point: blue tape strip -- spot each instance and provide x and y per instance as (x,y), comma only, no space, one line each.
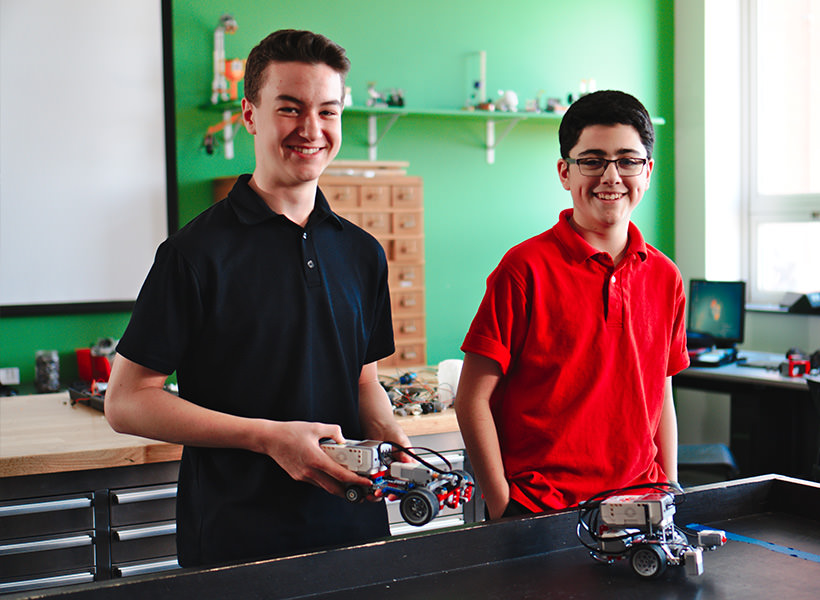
(768,545)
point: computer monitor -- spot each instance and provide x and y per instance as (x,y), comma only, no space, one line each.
(718,310)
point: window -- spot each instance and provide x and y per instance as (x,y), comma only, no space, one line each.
(783,166)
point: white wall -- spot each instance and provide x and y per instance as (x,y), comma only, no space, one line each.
(82,149)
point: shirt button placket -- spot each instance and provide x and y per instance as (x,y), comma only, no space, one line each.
(311,273)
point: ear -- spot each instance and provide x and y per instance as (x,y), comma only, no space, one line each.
(649,167)
(563,173)
(249,116)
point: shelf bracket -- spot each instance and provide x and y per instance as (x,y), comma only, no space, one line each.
(492,142)
(373,137)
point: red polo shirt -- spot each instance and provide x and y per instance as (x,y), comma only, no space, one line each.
(585,348)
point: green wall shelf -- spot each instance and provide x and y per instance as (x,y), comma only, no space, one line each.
(510,119)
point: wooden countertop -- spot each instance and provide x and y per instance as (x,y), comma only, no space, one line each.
(45,434)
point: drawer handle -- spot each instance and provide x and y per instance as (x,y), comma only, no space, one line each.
(39,507)
(138,533)
(33,584)
(408,328)
(145,495)
(148,567)
(74,541)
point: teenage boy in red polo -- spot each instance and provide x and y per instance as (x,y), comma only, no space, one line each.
(566,388)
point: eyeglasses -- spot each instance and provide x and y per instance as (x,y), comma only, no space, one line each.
(595,167)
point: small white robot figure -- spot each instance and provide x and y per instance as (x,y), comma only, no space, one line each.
(219,87)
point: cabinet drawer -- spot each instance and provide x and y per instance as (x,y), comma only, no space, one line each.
(374,196)
(409,354)
(341,197)
(407,301)
(144,541)
(8,586)
(409,249)
(407,223)
(31,557)
(406,196)
(147,504)
(404,275)
(45,516)
(376,223)
(165,563)
(405,328)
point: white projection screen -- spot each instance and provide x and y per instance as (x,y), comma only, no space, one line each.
(84,194)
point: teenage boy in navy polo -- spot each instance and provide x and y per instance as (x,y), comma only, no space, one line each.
(273,311)
(566,387)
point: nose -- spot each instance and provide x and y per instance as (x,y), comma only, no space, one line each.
(611,174)
(310,127)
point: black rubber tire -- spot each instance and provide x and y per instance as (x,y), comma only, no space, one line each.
(354,493)
(648,560)
(419,507)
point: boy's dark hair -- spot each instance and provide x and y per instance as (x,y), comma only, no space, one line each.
(291,45)
(607,107)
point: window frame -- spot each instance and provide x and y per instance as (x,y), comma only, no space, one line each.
(759,207)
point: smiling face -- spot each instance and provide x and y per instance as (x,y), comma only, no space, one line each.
(296,123)
(605,202)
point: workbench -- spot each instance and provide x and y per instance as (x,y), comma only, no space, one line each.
(80,502)
(773,552)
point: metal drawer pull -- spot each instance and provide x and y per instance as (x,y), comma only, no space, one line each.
(33,584)
(145,495)
(74,541)
(38,507)
(151,567)
(136,533)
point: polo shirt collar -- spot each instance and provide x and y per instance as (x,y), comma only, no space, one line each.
(581,250)
(250,209)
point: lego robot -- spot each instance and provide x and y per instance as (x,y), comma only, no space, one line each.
(640,527)
(423,487)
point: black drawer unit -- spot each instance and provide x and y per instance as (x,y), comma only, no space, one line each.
(65,528)
(47,538)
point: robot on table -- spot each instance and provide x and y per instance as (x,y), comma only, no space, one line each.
(640,527)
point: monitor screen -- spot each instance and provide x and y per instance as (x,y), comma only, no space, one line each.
(718,309)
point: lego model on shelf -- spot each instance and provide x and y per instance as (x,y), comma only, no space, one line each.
(424,487)
(636,524)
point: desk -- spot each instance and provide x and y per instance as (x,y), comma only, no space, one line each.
(773,423)
(529,557)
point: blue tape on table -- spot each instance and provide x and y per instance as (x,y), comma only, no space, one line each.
(768,545)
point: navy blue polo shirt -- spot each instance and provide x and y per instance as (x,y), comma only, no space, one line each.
(262,318)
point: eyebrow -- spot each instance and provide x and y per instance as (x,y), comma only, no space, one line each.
(619,152)
(287,98)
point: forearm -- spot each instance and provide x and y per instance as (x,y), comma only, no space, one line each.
(666,438)
(137,404)
(376,415)
(479,376)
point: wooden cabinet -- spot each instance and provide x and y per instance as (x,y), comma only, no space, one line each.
(391,207)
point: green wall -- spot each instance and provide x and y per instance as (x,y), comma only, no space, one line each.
(473,211)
